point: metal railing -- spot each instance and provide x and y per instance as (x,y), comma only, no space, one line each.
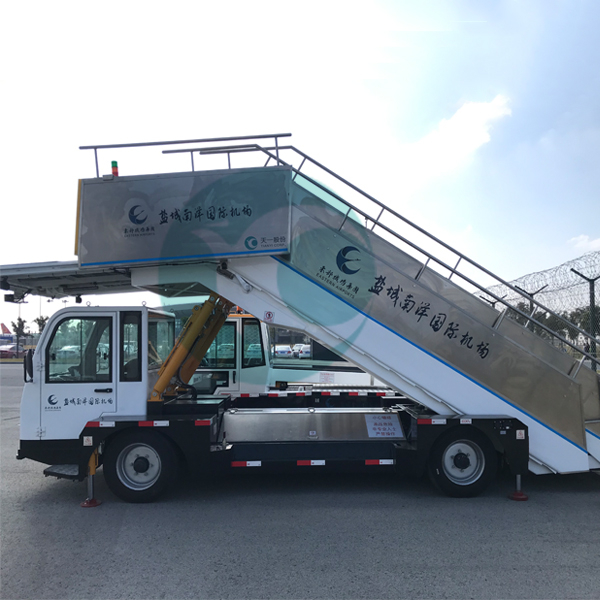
(95,148)
(587,350)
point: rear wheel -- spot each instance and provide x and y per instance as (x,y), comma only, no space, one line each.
(462,463)
(139,466)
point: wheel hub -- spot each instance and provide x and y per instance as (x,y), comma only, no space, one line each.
(462,461)
(141,464)
(138,466)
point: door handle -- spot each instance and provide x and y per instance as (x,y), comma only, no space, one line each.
(105,390)
(233,376)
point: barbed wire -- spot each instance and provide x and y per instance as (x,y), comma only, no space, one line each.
(561,290)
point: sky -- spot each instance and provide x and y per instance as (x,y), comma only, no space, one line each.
(479,121)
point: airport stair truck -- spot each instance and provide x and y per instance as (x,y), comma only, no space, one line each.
(477,386)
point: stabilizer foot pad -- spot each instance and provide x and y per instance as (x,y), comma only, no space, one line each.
(519,496)
(91,503)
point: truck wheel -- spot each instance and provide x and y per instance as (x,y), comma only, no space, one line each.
(462,463)
(139,466)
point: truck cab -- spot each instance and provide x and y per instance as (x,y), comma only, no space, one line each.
(91,362)
(242,360)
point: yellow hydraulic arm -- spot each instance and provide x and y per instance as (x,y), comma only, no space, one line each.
(191,345)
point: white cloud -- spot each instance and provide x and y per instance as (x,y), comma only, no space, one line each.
(584,243)
(405,170)
(456,139)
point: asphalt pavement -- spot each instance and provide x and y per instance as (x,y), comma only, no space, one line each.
(303,536)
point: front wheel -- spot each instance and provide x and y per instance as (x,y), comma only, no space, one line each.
(139,466)
(462,463)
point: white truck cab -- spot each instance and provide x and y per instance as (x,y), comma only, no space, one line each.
(242,359)
(90,363)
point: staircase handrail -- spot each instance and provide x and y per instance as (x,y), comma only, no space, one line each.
(267,150)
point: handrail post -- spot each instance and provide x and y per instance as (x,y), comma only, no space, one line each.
(296,171)
(345,217)
(500,318)
(376,221)
(455,267)
(418,276)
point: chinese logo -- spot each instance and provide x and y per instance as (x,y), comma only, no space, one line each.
(342,260)
(137,215)
(52,401)
(251,242)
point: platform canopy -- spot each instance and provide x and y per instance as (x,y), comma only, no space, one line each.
(62,279)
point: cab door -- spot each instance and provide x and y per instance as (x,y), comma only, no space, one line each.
(79,373)
(219,371)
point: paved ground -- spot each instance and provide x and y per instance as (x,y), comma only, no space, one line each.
(292,537)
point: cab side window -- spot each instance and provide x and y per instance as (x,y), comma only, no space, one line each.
(253,355)
(80,351)
(221,353)
(130,361)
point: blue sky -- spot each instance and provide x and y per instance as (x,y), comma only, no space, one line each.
(480,121)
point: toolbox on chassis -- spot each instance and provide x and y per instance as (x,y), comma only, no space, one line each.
(119,398)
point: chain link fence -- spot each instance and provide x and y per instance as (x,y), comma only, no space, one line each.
(564,300)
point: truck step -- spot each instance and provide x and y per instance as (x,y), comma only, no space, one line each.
(63,472)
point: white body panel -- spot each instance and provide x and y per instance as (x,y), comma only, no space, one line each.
(383,353)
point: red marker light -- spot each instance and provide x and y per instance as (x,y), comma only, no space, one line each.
(115,168)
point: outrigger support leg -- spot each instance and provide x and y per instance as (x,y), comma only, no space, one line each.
(518,495)
(90,501)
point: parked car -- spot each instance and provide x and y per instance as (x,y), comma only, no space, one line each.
(305,351)
(296,349)
(68,354)
(283,351)
(12,351)
(225,351)
(254,351)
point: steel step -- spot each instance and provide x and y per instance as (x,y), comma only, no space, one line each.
(63,472)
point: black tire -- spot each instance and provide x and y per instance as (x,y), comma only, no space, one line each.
(462,462)
(139,465)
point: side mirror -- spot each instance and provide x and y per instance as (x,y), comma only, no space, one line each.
(28,366)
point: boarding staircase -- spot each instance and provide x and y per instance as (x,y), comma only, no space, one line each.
(403,305)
